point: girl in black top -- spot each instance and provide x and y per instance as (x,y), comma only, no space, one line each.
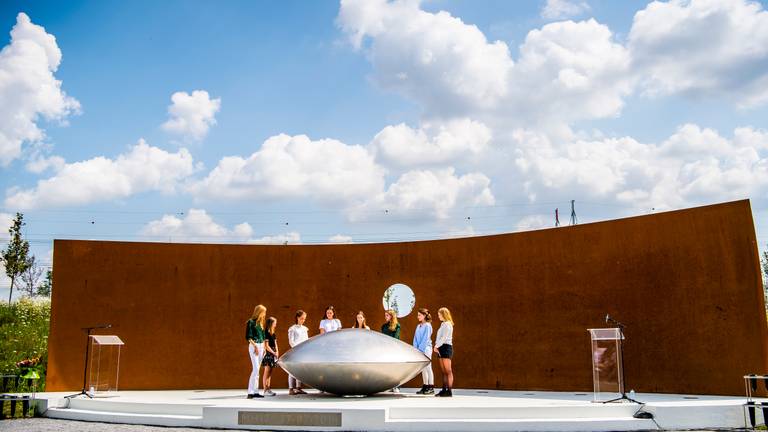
(270,358)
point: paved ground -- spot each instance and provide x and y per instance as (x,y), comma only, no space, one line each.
(53,425)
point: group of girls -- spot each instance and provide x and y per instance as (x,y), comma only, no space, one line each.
(263,349)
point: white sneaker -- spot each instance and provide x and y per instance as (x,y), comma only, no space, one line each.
(269,393)
(395,390)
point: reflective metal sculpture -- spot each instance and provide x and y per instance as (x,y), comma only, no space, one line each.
(353,362)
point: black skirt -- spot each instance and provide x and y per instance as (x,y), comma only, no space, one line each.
(445,351)
(269,360)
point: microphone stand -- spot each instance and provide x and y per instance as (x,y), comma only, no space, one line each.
(623,396)
(87,331)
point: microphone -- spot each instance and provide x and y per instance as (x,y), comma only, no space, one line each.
(102,326)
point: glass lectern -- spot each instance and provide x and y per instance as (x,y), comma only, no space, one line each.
(607,378)
(104,365)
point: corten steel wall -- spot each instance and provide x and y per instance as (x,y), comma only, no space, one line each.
(686,283)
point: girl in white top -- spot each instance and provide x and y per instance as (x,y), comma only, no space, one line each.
(444,349)
(330,323)
(297,334)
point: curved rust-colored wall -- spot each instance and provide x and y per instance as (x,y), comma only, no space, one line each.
(686,283)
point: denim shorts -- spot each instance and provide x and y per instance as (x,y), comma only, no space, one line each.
(445,351)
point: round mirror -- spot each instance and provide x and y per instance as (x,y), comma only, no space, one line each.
(399,297)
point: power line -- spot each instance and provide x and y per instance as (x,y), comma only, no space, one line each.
(329,210)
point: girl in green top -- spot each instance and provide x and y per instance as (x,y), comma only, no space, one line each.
(254,334)
(391,328)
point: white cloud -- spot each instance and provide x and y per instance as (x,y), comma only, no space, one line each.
(329,171)
(401,145)
(191,115)
(567,71)
(195,226)
(468,231)
(559,9)
(712,166)
(6,220)
(434,58)
(39,164)
(29,90)
(198,226)
(340,238)
(427,194)
(286,238)
(535,222)
(142,168)
(693,166)
(703,47)
(285,166)
(570,71)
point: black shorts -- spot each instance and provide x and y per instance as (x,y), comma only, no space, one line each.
(445,351)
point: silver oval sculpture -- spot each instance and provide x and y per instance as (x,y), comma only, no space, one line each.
(353,362)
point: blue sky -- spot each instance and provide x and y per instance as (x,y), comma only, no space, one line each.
(314,122)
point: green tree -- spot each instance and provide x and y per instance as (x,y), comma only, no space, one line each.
(388,296)
(764,266)
(30,278)
(15,257)
(45,288)
(764,262)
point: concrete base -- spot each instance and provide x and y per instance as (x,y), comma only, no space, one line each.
(467,410)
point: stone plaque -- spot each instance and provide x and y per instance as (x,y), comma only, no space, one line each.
(289,418)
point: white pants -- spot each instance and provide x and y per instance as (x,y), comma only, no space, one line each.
(427,376)
(257,354)
(293,383)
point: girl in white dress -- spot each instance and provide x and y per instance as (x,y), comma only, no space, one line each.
(297,334)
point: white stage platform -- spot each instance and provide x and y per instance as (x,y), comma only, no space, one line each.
(467,410)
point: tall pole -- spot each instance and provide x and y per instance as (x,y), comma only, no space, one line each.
(573,213)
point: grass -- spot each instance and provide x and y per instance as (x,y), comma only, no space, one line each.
(24,327)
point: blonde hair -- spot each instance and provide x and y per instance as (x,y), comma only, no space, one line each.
(393,320)
(445,314)
(260,315)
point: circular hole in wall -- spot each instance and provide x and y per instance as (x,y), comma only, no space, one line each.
(399,297)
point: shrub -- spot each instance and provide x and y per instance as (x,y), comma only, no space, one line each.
(24,327)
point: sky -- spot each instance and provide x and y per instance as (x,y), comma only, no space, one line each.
(373,121)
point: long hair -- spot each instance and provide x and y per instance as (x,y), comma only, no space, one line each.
(445,314)
(329,308)
(299,313)
(393,320)
(427,315)
(356,324)
(260,315)
(270,325)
